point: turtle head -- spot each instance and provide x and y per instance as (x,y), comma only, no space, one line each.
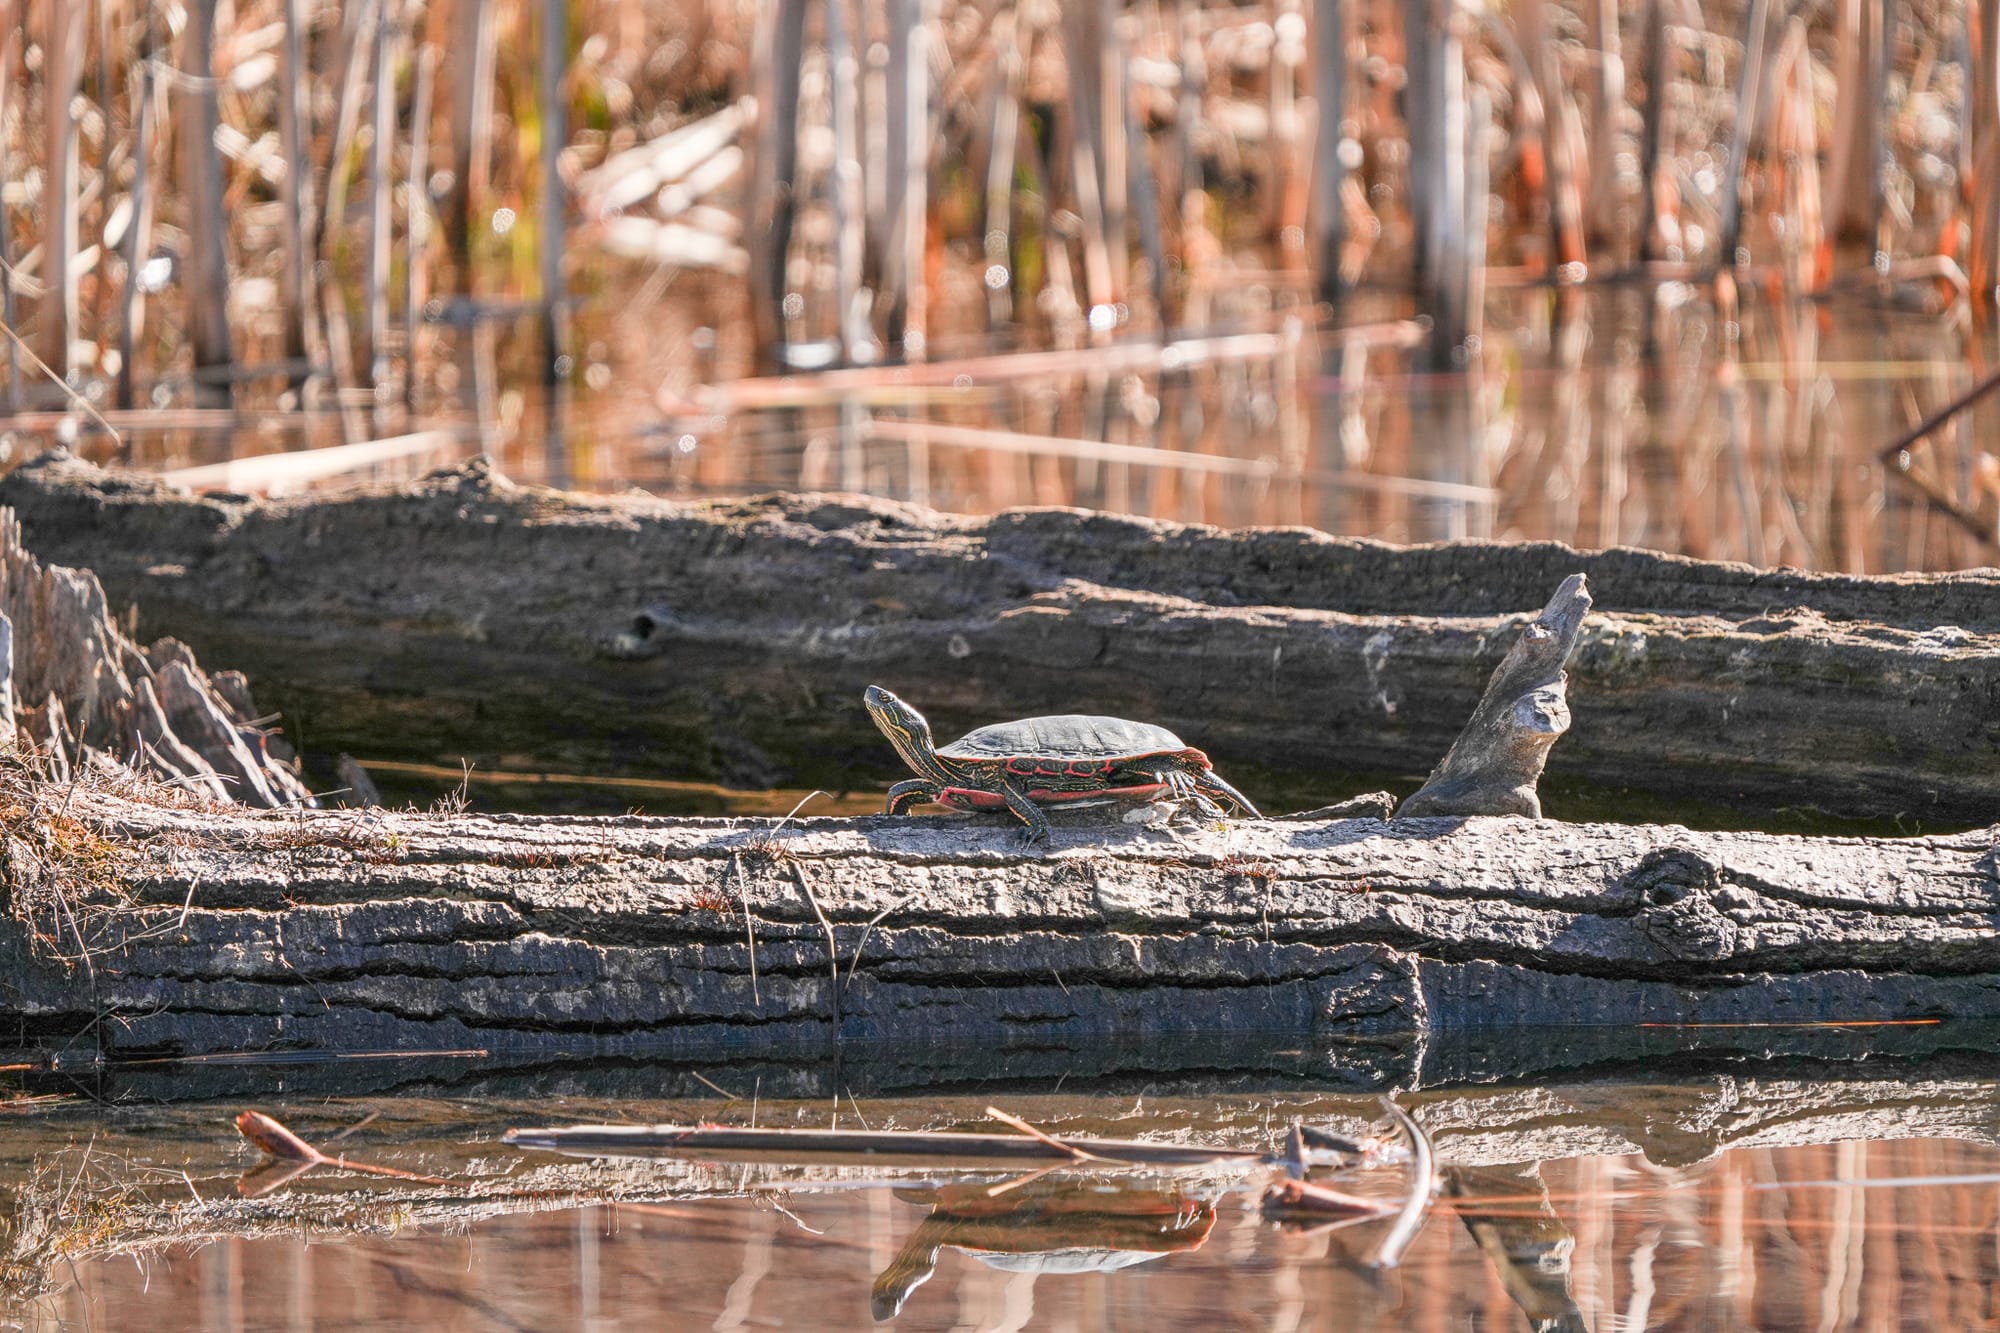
(907,731)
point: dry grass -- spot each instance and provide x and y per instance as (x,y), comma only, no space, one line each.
(63,878)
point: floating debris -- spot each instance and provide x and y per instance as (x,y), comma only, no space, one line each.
(1423,1188)
(292,1157)
(881,1147)
(1289,1200)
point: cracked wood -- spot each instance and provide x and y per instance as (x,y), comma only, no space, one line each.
(349,930)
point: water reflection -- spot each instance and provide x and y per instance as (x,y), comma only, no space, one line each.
(1670,415)
(1046,1226)
(1751,1239)
(1772,1178)
(1532,1250)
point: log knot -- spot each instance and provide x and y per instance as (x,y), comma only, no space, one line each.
(647,634)
(1380,988)
(1680,905)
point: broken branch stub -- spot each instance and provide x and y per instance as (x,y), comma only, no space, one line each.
(63,656)
(1494,765)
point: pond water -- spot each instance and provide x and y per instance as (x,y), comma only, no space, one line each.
(1775,1179)
(1668,415)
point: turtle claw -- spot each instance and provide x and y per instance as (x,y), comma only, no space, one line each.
(1185,789)
(1031,835)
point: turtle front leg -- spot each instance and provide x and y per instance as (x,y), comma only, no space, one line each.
(908,792)
(1025,810)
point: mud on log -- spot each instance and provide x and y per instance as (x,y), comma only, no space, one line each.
(215,929)
(731,641)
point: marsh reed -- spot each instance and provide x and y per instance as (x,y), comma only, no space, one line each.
(580,232)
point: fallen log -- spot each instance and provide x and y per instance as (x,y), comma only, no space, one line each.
(731,641)
(206,929)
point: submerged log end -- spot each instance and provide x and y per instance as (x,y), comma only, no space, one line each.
(1496,762)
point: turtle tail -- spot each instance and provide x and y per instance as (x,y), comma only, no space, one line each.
(1212,780)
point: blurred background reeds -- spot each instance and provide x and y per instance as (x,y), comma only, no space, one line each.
(1682,273)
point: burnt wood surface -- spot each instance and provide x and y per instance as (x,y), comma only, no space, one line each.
(730,641)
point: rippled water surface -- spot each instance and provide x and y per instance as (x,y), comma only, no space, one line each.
(1756,1238)
(1732,1184)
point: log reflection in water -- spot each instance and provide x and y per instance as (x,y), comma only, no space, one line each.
(1567,1244)
(1530,1246)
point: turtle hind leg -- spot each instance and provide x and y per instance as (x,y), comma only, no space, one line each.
(908,792)
(1210,779)
(1182,785)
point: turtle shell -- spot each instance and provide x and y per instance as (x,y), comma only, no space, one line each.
(1065,736)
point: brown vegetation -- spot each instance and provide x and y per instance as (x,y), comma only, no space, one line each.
(802,188)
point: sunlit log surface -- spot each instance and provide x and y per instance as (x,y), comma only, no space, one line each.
(212,929)
(731,640)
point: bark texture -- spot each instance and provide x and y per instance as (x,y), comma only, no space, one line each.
(731,640)
(226,930)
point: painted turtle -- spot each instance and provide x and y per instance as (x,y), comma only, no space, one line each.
(1070,757)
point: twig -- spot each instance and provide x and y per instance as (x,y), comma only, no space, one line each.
(771,1198)
(76,770)
(1302,1198)
(1938,418)
(1423,1184)
(1015,1122)
(283,1145)
(879,1147)
(83,950)
(726,1093)
(995,1191)
(866,930)
(362,1123)
(58,380)
(749,930)
(794,810)
(832,945)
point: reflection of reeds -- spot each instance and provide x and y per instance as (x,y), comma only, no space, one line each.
(921,180)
